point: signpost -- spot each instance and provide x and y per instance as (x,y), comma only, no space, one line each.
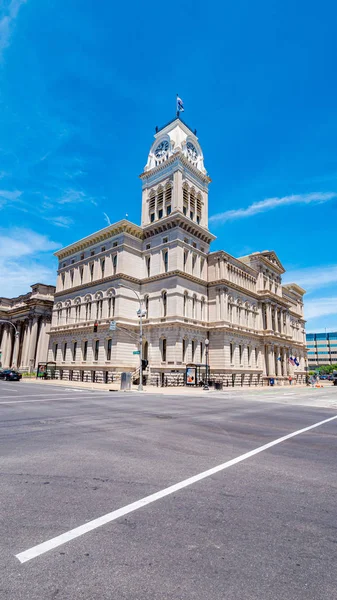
(113,326)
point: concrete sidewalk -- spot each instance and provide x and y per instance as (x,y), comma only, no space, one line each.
(172,391)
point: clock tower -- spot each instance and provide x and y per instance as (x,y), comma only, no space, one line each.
(174,178)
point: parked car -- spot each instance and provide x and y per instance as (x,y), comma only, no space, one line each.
(323,377)
(10,375)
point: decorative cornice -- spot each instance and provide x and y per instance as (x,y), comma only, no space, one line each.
(123,226)
(178,219)
(177,156)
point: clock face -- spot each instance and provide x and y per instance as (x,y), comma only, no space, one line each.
(162,149)
(191,151)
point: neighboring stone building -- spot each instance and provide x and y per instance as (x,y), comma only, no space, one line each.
(31,315)
(253,322)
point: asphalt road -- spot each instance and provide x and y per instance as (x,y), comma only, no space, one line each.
(264,528)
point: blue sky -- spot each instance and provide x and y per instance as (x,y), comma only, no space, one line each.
(83,85)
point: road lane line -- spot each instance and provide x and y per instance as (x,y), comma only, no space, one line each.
(45,399)
(59,540)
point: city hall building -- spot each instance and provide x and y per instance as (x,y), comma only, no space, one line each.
(253,323)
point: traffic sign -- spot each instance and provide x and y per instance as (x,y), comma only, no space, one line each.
(136,352)
(113,326)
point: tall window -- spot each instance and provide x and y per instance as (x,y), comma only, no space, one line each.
(194,301)
(184,351)
(240,354)
(103,266)
(146,302)
(185,303)
(111,306)
(108,349)
(64,350)
(68,309)
(148,265)
(88,311)
(74,351)
(194,260)
(165,259)
(72,276)
(99,309)
(249,351)
(185,258)
(231,352)
(81,274)
(114,264)
(85,351)
(256,357)
(202,262)
(193,349)
(163,350)
(201,352)
(77,312)
(91,266)
(96,349)
(63,279)
(55,352)
(164,296)
(202,315)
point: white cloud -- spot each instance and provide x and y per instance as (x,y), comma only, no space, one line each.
(312,277)
(271,203)
(8,195)
(60,221)
(72,197)
(23,261)
(7,21)
(319,307)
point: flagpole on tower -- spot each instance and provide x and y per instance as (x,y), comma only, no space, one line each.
(180,106)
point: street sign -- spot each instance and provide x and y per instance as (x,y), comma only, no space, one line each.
(136,352)
(113,326)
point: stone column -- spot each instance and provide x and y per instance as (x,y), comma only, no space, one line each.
(32,343)
(271,361)
(9,346)
(27,345)
(42,347)
(268,312)
(5,344)
(16,346)
(279,362)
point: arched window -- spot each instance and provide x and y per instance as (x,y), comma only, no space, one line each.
(192,204)
(88,311)
(152,206)
(194,302)
(185,304)
(146,305)
(193,350)
(160,200)
(103,266)
(240,354)
(163,349)
(165,260)
(202,315)
(184,350)
(91,268)
(168,199)
(231,352)
(164,298)
(114,264)
(148,265)
(146,350)
(249,352)
(201,352)
(108,349)
(185,199)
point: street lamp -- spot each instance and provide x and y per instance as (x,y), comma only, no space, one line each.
(141,313)
(206,346)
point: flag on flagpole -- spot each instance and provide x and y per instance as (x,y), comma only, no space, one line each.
(278,358)
(296,362)
(291,360)
(180,105)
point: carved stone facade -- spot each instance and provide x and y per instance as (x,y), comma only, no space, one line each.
(31,315)
(254,323)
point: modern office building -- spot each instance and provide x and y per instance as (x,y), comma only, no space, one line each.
(31,316)
(322,349)
(190,295)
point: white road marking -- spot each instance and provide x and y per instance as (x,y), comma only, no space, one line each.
(44,399)
(116,514)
